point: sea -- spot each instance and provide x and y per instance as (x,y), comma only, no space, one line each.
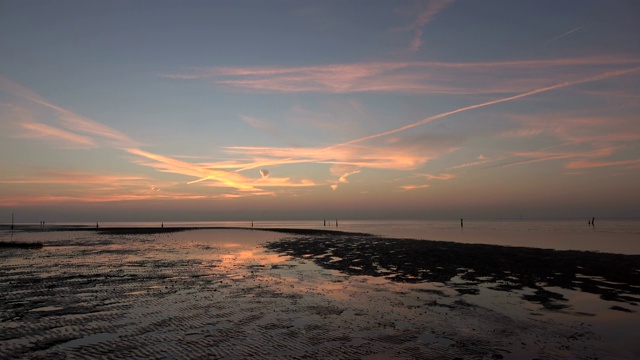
(605,235)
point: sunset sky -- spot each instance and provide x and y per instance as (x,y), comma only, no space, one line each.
(234,110)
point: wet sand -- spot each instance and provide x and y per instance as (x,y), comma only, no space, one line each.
(294,294)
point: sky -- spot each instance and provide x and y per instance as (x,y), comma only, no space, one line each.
(299,110)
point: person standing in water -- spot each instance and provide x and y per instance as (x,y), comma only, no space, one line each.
(461,223)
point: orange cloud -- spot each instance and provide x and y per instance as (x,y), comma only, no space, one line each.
(78,178)
(213,176)
(399,157)
(414,187)
(78,186)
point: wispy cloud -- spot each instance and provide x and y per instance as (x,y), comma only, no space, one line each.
(494,102)
(564,34)
(498,77)
(584,164)
(429,177)
(481,160)
(343,171)
(212,175)
(55,176)
(70,126)
(83,186)
(388,157)
(43,130)
(401,157)
(572,128)
(443,176)
(426,13)
(74,129)
(414,187)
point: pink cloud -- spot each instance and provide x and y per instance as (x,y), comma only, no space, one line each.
(584,164)
(72,122)
(428,13)
(598,77)
(44,130)
(410,77)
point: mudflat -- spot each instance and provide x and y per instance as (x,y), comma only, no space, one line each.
(234,293)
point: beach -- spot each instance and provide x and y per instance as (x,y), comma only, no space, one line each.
(301,293)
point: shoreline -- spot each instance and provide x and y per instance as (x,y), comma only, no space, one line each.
(133,230)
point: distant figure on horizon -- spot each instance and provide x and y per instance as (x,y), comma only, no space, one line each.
(162,225)
(336,222)
(324,222)
(461,223)
(97,225)
(589,222)
(593,221)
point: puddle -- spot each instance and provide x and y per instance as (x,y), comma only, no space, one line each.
(47,308)
(90,339)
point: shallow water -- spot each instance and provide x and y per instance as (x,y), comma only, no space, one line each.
(608,235)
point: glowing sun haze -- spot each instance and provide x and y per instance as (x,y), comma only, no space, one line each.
(235,110)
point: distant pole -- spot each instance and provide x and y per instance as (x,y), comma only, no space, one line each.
(336,222)
(461,223)
(11,221)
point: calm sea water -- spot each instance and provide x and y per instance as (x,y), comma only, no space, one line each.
(615,236)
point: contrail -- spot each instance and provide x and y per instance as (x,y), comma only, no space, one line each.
(602,76)
(563,35)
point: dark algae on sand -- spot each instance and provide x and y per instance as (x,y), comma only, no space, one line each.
(613,277)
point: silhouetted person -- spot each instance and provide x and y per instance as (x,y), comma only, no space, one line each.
(461,223)
(589,222)
(593,221)
(162,225)
(97,225)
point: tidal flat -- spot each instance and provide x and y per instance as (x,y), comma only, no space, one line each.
(296,294)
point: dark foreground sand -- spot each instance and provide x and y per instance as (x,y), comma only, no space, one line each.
(224,293)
